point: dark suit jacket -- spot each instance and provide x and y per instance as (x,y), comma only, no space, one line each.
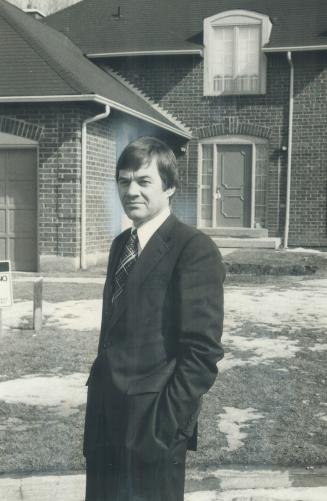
(159,347)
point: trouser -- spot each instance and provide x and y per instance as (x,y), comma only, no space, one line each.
(117,475)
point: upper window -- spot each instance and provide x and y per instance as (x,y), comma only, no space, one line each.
(233,60)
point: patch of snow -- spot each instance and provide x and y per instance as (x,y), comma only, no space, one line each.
(233,422)
(257,350)
(229,361)
(265,307)
(265,348)
(268,306)
(319,347)
(225,251)
(65,393)
(83,315)
(322,416)
(304,250)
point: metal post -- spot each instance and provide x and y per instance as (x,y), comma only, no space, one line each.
(1,327)
(37,304)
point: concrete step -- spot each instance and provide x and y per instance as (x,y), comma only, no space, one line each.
(252,243)
(236,232)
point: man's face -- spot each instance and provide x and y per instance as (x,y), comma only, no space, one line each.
(142,193)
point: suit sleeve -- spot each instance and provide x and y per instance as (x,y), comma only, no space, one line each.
(199,306)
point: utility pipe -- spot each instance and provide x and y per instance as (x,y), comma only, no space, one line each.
(85,123)
(289,150)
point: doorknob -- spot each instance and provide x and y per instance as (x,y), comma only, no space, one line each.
(218,194)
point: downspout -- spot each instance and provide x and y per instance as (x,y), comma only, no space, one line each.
(85,123)
(289,150)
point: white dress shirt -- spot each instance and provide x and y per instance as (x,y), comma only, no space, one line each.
(146,230)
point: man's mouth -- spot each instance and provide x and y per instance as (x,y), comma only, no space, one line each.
(133,204)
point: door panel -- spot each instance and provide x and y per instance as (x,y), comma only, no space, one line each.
(2,193)
(18,208)
(21,194)
(233,191)
(2,247)
(21,222)
(2,221)
(21,165)
(22,252)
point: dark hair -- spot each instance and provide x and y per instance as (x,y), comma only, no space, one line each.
(142,151)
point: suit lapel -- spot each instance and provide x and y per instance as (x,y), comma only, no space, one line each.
(114,259)
(112,266)
(158,245)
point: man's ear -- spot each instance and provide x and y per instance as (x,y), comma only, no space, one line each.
(170,191)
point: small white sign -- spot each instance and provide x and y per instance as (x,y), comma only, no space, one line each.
(6,298)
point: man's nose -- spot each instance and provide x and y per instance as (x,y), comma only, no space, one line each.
(133,189)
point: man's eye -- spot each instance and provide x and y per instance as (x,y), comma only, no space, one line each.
(145,182)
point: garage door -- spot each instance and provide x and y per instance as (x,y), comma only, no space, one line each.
(18,216)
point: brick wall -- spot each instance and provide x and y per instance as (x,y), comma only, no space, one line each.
(176,83)
(101,209)
(309,163)
(59,158)
(57,128)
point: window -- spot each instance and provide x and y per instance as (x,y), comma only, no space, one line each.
(233,60)
(261,185)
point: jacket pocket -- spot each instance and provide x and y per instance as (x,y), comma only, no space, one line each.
(153,382)
(142,434)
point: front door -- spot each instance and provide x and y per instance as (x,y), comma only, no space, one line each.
(18,203)
(233,186)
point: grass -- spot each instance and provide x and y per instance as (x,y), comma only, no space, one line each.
(290,432)
(53,292)
(34,438)
(287,393)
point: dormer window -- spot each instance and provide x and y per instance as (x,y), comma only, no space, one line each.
(233,60)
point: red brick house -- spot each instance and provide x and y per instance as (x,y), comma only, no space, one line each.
(245,80)
(63,121)
(249,78)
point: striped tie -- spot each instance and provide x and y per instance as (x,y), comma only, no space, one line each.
(126,263)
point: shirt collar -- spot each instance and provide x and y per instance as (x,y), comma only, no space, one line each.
(146,230)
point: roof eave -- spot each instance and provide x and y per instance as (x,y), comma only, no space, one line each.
(176,52)
(297,48)
(34,11)
(98,99)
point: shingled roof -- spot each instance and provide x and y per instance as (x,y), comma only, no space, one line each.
(39,63)
(118,27)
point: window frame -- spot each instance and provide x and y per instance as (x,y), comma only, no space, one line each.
(234,19)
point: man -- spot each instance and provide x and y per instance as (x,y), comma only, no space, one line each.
(159,343)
